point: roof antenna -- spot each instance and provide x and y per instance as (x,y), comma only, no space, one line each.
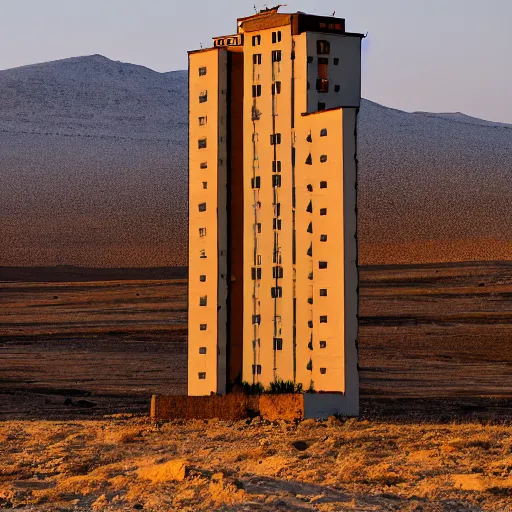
(255,9)
(334,13)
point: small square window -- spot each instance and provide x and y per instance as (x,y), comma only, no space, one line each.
(323,211)
(256,369)
(202,327)
(276,180)
(256,58)
(323,292)
(323,132)
(203,301)
(203,120)
(310,59)
(256,319)
(255,182)
(276,88)
(202,350)
(323,184)
(310,324)
(202,232)
(323,319)
(203,98)
(256,91)
(336,88)
(258,259)
(323,159)
(278,343)
(203,165)
(202,71)
(323,371)
(321,105)
(201,143)
(276,166)
(322,264)
(323,344)
(336,61)
(258,227)
(323,238)
(277,224)
(310,188)
(202,207)
(202,278)
(201,375)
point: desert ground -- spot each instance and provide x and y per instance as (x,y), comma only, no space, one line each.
(82,351)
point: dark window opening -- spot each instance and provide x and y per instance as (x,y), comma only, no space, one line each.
(203,165)
(323,344)
(323,371)
(277,272)
(277,209)
(310,300)
(336,61)
(323,158)
(256,58)
(255,273)
(276,258)
(256,319)
(203,327)
(336,88)
(309,160)
(310,59)
(276,166)
(256,182)
(278,343)
(323,319)
(275,138)
(202,207)
(276,180)
(277,224)
(323,184)
(276,37)
(276,88)
(202,350)
(203,300)
(258,227)
(277,292)
(323,238)
(310,188)
(202,71)
(202,375)
(202,232)
(310,250)
(323,211)
(201,144)
(321,105)
(310,227)
(276,55)
(202,278)
(203,120)
(203,98)
(323,132)
(323,47)
(323,292)
(205,185)
(309,207)
(256,40)
(322,85)
(322,264)
(310,324)
(256,91)
(256,369)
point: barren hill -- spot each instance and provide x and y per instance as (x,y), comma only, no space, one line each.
(93,173)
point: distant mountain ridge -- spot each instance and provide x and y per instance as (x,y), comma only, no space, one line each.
(94,173)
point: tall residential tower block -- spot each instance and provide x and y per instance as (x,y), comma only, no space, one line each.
(273,280)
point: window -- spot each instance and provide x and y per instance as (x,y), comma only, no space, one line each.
(256,91)
(203,120)
(202,375)
(258,259)
(202,327)
(310,59)
(323,344)
(277,272)
(322,85)
(202,207)
(323,47)
(256,319)
(323,238)
(202,278)
(276,37)
(256,40)
(255,182)
(203,300)
(323,292)
(310,250)
(323,319)
(323,132)
(310,324)
(309,160)
(323,184)
(277,224)
(275,138)
(258,227)
(322,264)
(256,369)
(202,71)
(276,166)
(202,350)
(336,88)
(202,254)
(310,188)
(202,232)
(321,105)
(323,211)
(203,98)
(256,58)
(276,55)
(203,165)
(336,61)
(201,143)
(323,371)
(255,273)
(205,185)
(277,209)
(309,207)
(323,158)
(277,292)
(310,227)
(276,180)
(276,258)
(278,343)
(276,88)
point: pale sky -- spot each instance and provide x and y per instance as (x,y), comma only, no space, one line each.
(432,55)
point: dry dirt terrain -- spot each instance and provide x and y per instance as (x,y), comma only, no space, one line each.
(79,351)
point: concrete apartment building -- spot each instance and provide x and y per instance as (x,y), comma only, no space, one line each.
(273,280)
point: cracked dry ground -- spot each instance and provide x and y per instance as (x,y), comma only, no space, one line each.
(127,463)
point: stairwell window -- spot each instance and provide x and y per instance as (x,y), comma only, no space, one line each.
(202,71)
(275,138)
(202,207)
(276,55)
(256,58)
(203,97)
(203,301)
(256,91)
(276,88)
(202,144)
(256,40)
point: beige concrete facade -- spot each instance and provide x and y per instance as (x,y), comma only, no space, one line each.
(301,91)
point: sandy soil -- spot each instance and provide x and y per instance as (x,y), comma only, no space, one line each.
(116,464)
